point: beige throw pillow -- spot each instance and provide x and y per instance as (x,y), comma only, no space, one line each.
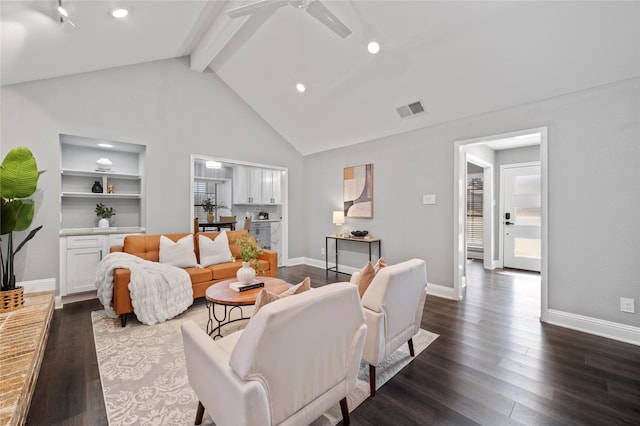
(366,276)
(265,296)
(381,263)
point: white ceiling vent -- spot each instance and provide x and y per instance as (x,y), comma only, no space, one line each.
(410,110)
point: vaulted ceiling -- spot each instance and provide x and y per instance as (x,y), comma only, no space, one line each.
(459,59)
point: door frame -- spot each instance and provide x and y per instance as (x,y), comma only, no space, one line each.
(501,208)
(488,240)
(284,224)
(459,208)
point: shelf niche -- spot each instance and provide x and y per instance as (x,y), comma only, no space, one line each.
(79,172)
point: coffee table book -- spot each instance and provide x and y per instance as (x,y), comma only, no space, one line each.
(236,286)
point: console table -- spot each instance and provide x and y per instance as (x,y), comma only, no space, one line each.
(367,240)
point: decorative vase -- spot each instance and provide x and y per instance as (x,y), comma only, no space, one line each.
(103,223)
(246,274)
(97,187)
(210,217)
(11,300)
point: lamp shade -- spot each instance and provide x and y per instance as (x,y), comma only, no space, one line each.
(338,217)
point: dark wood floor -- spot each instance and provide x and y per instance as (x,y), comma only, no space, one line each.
(494,363)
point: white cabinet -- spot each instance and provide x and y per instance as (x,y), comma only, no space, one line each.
(247,185)
(271,184)
(79,258)
(253,185)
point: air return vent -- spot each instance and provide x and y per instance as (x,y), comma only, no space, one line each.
(410,110)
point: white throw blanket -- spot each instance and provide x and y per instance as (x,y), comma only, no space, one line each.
(158,291)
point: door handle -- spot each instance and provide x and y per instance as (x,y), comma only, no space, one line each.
(509,223)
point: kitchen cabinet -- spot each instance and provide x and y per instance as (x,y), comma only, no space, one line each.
(271,186)
(247,185)
(254,185)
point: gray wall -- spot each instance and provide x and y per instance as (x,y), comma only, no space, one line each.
(174,111)
(594,170)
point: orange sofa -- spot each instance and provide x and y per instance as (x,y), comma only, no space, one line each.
(148,248)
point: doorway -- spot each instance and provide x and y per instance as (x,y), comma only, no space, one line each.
(485,148)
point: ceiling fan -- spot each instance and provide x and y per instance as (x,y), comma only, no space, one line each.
(313,7)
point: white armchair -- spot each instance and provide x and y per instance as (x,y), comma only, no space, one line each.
(297,357)
(393,305)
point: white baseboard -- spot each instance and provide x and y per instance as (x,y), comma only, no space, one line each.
(441,291)
(34,286)
(79,297)
(322,265)
(612,330)
(58,302)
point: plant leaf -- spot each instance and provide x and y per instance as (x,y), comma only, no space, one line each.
(18,174)
(24,213)
(8,218)
(30,236)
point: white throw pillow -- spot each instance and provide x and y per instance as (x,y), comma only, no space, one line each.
(178,254)
(214,251)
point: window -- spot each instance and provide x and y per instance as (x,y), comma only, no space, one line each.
(475,185)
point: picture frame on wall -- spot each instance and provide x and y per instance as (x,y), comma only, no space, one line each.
(358,191)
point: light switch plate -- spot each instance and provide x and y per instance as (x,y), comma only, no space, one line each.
(429,199)
(627,305)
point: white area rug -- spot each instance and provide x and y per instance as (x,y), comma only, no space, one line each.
(144,376)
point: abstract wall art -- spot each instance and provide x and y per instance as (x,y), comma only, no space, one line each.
(358,191)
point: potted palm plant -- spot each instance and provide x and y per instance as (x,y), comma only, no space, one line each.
(18,181)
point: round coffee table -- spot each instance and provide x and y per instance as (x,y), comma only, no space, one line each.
(221,294)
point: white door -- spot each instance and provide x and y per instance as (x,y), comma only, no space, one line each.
(522,217)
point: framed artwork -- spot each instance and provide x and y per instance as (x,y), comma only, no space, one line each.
(358,191)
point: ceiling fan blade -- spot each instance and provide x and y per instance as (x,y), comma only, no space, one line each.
(324,15)
(251,8)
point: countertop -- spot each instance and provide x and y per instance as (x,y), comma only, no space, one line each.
(265,220)
(101,231)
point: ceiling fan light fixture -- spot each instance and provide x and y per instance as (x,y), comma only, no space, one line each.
(300,87)
(373,47)
(119,13)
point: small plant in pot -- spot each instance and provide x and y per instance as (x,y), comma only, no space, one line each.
(249,252)
(104,213)
(18,180)
(211,208)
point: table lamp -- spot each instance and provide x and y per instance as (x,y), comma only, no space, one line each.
(338,220)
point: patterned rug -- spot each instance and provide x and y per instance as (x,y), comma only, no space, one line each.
(144,376)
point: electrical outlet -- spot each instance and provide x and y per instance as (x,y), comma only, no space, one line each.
(322,251)
(627,305)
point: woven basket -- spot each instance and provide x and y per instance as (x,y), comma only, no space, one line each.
(11,300)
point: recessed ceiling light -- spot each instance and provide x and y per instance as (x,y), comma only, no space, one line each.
(300,87)
(62,11)
(373,47)
(119,13)
(105,145)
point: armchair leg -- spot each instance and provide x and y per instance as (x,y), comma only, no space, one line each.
(411,347)
(199,413)
(372,380)
(123,320)
(345,412)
